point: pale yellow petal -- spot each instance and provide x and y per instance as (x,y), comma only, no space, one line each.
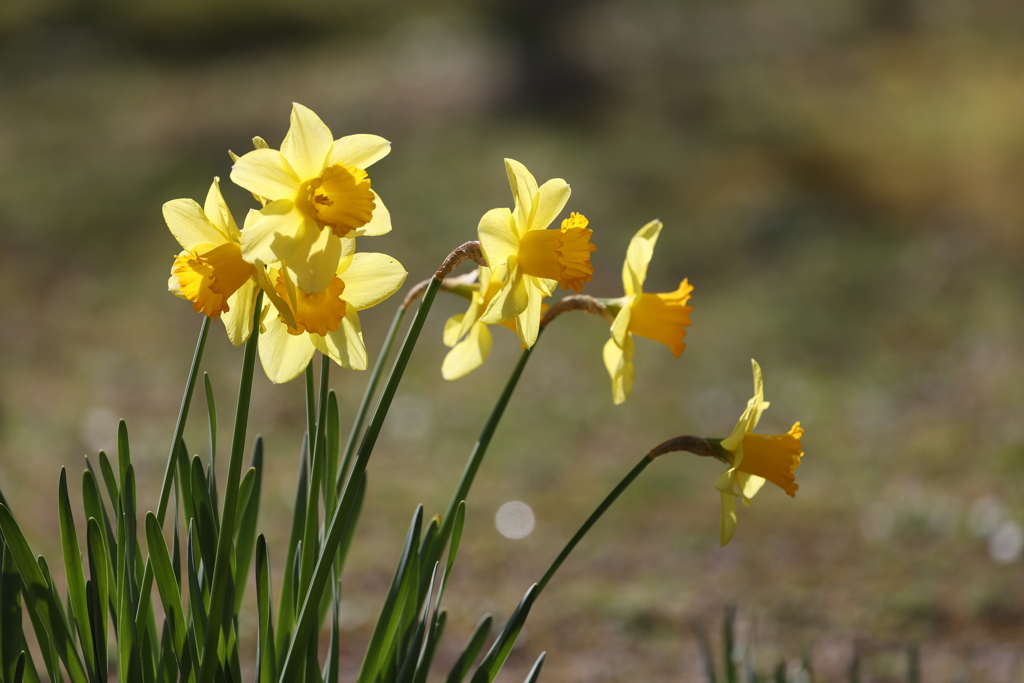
(217,211)
(498,241)
(620,326)
(469,354)
(748,420)
(619,364)
(273,233)
(551,199)
(528,321)
(360,151)
(748,485)
(284,356)
(263,172)
(380,222)
(307,144)
(270,291)
(453,330)
(190,226)
(524,191)
(511,300)
(638,257)
(345,345)
(370,279)
(314,263)
(727,524)
(238,318)
(173,285)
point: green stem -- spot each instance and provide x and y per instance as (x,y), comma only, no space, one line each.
(222,565)
(592,520)
(179,427)
(371,388)
(342,514)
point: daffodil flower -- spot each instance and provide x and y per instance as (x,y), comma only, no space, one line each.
(661,317)
(755,459)
(326,320)
(317,192)
(210,271)
(468,337)
(535,258)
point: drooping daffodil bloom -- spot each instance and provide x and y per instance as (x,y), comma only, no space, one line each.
(210,271)
(755,459)
(326,320)
(317,192)
(468,337)
(536,259)
(661,317)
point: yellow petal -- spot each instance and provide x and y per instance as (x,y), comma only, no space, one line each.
(190,226)
(380,222)
(345,345)
(273,233)
(263,172)
(371,278)
(469,354)
(238,318)
(528,322)
(620,326)
(453,330)
(748,420)
(638,257)
(498,241)
(551,199)
(510,300)
(216,210)
(524,191)
(727,524)
(284,356)
(619,363)
(748,485)
(359,150)
(307,144)
(314,263)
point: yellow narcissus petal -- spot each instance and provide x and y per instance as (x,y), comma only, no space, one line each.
(773,458)
(638,257)
(524,190)
(190,225)
(380,223)
(551,199)
(217,211)
(509,301)
(359,150)
(727,523)
(618,360)
(662,317)
(748,485)
(620,326)
(315,260)
(528,322)
(263,172)
(371,278)
(308,142)
(748,420)
(238,318)
(284,356)
(454,329)
(273,233)
(345,345)
(468,354)
(498,241)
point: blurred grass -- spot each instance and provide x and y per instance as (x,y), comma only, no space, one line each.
(840,180)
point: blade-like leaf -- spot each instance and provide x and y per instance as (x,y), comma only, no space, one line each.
(266,668)
(498,653)
(75,575)
(472,649)
(535,671)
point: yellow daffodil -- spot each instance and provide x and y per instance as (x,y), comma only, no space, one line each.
(326,320)
(661,317)
(755,459)
(468,337)
(535,258)
(210,271)
(317,192)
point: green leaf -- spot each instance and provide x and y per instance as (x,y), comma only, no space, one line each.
(248,516)
(535,671)
(266,667)
(101,579)
(12,635)
(414,649)
(124,454)
(333,444)
(170,596)
(110,481)
(496,656)
(437,624)
(287,608)
(472,649)
(389,623)
(211,411)
(75,576)
(96,510)
(196,599)
(39,599)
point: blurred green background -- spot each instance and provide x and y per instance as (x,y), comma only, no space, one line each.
(841,180)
